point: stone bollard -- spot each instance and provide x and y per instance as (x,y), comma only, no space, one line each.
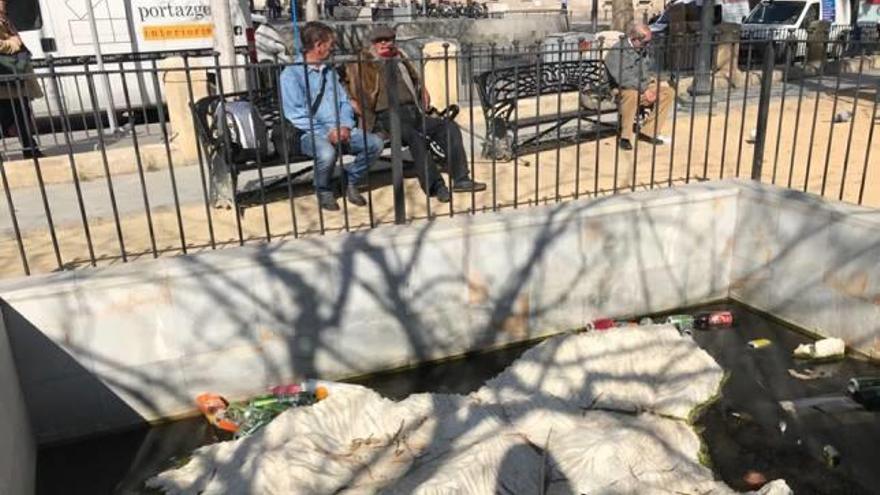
(440,55)
(817,40)
(727,54)
(177,98)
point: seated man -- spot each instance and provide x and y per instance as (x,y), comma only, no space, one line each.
(630,66)
(313,108)
(368,82)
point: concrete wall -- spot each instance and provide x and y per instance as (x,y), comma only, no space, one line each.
(811,262)
(18,452)
(138,342)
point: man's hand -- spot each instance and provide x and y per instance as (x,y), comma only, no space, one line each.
(426,99)
(343,135)
(649,96)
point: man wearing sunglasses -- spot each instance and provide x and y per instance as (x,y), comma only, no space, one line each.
(631,66)
(369,89)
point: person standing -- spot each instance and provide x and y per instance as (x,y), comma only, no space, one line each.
(414,99)
(318,107)
(16,93)
(630,66)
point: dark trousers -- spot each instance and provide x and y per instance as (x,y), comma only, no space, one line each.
(15,118)
(444,133)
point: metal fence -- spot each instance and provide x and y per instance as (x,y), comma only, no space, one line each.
(538,125)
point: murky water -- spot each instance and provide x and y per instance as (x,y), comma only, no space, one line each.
(741,430)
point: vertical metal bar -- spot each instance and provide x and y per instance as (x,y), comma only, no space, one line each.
(656,121)
(638,133)
(577,151)
(868,145)
(199,151)
(250,74)
(852,122)
(492,55)
(42,187)
(598,126)
(14,218)
(425,151)
(61,104)
(693,92)
(140,168)
(621,123)
(742,124)
(343,177)
(787,62)
(830,131)
(470,83)
(90,81)
(285,152)
(539,79)
(711,111)
(164,129)
(819,84)
(65,123)
(516,55)
(797,121)
(763,111)
(676,78)
(396,161)
(448,139)
(313,135)
(558,119)
(731,67)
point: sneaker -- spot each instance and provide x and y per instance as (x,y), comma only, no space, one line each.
(327,201)
(354,196)
(625,144)
(468,185)
(441,192)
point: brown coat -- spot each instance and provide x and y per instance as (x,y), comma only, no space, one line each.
(10,44)
(366,93)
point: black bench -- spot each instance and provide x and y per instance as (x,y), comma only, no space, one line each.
(500,91)
(224,169)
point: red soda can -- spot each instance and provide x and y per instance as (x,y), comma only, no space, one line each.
(714,319)
(602,324)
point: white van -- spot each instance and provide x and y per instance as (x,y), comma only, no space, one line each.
(778,19)
(62,29)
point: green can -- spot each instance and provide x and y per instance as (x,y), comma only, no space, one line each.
(684,323)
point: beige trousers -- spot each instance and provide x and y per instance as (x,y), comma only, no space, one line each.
(631,100)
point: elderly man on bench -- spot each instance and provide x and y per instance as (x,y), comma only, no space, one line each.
(417,127)
(630,65)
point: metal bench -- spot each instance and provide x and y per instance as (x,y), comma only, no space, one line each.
(224,168)
(501,90)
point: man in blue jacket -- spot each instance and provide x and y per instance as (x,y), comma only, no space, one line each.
(319,108)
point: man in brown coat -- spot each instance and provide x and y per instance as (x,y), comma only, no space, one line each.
(369,94)
(16,92)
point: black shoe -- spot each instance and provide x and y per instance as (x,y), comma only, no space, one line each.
(35,153)
(441,192)
(354,196)
(468,185)
(328,201)
(652,140)
(625,144)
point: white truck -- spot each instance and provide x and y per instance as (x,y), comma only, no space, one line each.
(780,19)
(63,29)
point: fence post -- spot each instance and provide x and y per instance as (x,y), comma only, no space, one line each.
(763,110)
(396,160)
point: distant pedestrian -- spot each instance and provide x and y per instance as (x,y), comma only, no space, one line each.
(16,93)
(273,9)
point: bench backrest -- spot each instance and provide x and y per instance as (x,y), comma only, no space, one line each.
(500,89)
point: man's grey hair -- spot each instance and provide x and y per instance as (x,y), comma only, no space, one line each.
(637,31)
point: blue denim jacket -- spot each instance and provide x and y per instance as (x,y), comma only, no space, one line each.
(335,101)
